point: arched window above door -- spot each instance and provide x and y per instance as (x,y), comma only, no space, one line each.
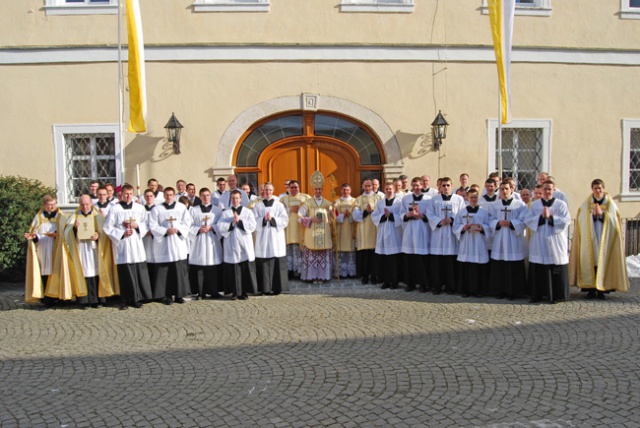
(293,125)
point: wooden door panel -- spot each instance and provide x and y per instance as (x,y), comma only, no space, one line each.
(336,163)
(285,164)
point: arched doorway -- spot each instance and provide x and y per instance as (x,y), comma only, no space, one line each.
(293,145)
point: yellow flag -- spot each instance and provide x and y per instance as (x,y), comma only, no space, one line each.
(501,13)
(137,85)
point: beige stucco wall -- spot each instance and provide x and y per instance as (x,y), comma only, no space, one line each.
(586,104)
(573,24)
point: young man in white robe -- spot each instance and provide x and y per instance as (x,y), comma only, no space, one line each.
(426,189)
(386,216)
(441,212)
(366,232)
(170,224)
(236,226)
(205,255)
(147,239)
(471,227)
(158,196)
(103,203)
(548,219)
(45,255)
(271,244)
(345,232)
(597,264)
(90,256)
(509,247)
(416,237)
(126,225)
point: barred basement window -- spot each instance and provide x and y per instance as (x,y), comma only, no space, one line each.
(521,155)
(634,161)
(88,157)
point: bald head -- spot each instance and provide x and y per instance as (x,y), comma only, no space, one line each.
(85,204)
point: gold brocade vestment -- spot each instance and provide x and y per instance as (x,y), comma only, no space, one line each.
(318,236)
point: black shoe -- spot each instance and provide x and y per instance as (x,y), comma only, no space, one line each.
(436,291)
(233,297)
(123,306)
(510,298)
(394,286)
(179,300)
(534,300)
(85,307)
(591,294)
(465,294)
(243,297)
(216,295)
(365,280)
(290,274)
(500,296)
(410,288)
(423,289)
(601,296)
(198,297)
(137,305)
(168,301)
(385,286)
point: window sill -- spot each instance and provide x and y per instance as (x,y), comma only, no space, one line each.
(629,197)
(630,13)
(525,11)
(231,7)
(81,9)
(375,7)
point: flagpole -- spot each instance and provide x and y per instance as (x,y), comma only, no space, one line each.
(120,94)
(499,134)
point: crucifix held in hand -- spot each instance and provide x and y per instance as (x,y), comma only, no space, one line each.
(506,211)
(205,219)
(446,210)
(129,221)
(170,220)
(467,217)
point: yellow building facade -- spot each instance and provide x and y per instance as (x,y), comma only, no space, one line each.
(272,89)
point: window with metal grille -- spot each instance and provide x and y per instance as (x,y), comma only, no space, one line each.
(634,160)
(88,157)
(521,155)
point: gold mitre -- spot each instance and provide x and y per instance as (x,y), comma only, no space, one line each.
(316,180)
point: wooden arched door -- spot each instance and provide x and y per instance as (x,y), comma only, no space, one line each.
(298,159)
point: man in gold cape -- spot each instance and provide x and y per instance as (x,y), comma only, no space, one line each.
(85,286)
(598,265)
(46,273)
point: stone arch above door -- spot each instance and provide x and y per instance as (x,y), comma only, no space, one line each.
(307,102)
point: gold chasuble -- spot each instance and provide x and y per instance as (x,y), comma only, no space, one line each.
(105,257)
(366,231)
(293,231)
(318,236)
(34,288)
(346,229)
(612,267)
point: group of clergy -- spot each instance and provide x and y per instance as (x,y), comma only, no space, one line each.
(230,242)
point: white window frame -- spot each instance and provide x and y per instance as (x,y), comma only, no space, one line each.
(626,195)
(544,124)
(539,8)
(377,6)
(628,12)
(61,7)
(231,5)
(59,133)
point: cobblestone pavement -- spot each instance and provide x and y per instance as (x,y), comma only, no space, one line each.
(341,354)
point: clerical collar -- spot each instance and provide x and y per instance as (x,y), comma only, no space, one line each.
(507,202)
(85,214)
(268,202)
(150,207)
(472,210)
(205,208)
(237,209)
(389,202)
(219,192)
(426,190)
(490,198)
(446,197)
(102,205)
(126,206)
(417,197)
(169,206)
(547,203)
(599,202)
(49,215)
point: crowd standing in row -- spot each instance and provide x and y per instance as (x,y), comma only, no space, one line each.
(229,242)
